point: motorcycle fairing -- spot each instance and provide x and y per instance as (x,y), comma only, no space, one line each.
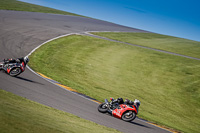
(119,111)
(10,66)
(8,70)
(22,66)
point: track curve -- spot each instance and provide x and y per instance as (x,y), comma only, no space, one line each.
(21,32)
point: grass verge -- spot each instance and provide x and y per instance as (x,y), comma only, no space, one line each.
(20,115)
(167,85)
(23,6)
(158,41)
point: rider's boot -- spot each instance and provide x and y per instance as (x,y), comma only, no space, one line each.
(110,111)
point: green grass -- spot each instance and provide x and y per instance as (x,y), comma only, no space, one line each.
(168,86)
(20,115)
(163,42)
(22,6)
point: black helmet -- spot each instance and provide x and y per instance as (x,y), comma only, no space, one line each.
(120,100)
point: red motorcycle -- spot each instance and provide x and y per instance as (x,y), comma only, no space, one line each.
(14,67)
(125,111)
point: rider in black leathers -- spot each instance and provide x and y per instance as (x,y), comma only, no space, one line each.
(116,102)
(18,60)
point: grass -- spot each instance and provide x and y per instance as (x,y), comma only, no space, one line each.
(20,115)
(168,86)
(163,42)
(22,6)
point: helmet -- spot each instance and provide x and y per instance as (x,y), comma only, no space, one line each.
(26,59)
(120,100)
(137,102)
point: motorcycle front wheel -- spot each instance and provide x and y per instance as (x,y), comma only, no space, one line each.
(15,71)
(129,116)
(103,108)
(1,65)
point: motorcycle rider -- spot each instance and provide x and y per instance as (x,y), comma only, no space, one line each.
(116,102)
(18,60)
(136,103)
(14,67)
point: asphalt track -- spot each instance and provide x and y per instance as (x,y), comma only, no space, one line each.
(21,32)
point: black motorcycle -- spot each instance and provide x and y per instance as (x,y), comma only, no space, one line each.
(14,67)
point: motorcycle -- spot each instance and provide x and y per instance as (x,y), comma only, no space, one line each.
(126,112)
(14,67)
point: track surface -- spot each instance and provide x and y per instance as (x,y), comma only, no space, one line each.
(21,32)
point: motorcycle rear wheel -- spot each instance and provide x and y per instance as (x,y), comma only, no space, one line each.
(129,116)
(15,71)
(102,108)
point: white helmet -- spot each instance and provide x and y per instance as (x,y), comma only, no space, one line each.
(136,101)
(26,59)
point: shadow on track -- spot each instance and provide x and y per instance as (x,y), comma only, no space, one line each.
(138,124)
(132,122)
(28,80)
